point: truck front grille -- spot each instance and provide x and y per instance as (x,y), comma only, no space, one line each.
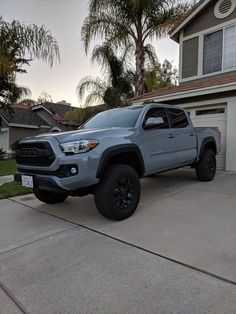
(34,154)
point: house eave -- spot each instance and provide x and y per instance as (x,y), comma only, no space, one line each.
(193,93)
(174,33)
(4,119)
(38,107)
(28,126)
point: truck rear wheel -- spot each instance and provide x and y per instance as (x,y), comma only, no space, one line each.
(49,197)
(117,195)
(206,166)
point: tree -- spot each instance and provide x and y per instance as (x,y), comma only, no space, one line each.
(160,76)
(28,101)
(116,88)
(19,45)
(135,21)
(44,97)
(80,115)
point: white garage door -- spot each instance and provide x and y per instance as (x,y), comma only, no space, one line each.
(212,116)
(4,140)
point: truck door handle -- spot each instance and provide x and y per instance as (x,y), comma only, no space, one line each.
(171,136)
(191,134)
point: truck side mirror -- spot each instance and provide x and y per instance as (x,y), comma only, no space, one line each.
(153,122)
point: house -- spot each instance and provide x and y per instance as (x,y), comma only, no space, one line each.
(17,124)
(54,113)
(207,70)
(23,120)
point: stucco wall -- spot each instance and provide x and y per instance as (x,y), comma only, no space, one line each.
(206,20)
(3,124)
(231,135)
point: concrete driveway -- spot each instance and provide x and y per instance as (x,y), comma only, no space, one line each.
(177,254)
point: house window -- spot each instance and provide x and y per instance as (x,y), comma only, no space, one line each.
(210,111)
(229,59)
(219,50)
(212,52)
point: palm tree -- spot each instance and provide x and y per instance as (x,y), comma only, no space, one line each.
(135,21)
(116,88)
(19,45)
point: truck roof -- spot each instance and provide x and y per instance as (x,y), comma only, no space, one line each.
(154,104)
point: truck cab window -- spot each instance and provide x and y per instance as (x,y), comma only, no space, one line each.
(157,113)
(178,118)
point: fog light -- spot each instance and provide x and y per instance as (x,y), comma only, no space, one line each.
(73,170)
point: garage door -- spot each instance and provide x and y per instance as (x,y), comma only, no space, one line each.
(4,140)
(212,116)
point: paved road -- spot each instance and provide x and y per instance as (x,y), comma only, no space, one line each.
(177,253)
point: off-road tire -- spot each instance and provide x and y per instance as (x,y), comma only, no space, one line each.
(118,193)
(49,197)
(206,166)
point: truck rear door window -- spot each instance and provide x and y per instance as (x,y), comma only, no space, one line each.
(178,118)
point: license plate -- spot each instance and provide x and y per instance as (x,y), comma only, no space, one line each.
(27,181)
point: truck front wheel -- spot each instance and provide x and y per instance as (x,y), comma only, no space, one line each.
(206,166)
(49,197)
(117,195)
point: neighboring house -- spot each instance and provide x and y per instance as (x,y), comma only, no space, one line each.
(17,124)
(207,70)
(54,113)
(22,121)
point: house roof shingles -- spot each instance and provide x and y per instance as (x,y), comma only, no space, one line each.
(222,79)
(22,116)
(56,109)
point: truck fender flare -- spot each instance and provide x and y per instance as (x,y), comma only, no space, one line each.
(206,141)
(117,150)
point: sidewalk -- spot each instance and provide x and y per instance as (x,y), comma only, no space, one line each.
(6,179)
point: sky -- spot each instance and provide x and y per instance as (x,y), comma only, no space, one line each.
(64,19)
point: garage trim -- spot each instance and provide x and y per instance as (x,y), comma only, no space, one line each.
(216,118)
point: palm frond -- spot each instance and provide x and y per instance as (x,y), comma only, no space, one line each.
(103,26)
(164,18)
(29,40)
(89,85)
(94,98)
(103,55)
(24,92)
(127,54)
(150,56)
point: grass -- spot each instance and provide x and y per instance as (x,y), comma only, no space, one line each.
(12,189)
(7,167)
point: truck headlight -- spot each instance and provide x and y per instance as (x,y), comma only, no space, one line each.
(78,147)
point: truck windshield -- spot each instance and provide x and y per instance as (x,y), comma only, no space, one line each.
(115,118)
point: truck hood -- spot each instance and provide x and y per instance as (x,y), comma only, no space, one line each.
(92,134)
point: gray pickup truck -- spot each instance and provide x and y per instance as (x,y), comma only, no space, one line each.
(109,154)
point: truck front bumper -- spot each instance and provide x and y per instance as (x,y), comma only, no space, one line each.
(67,178)
(46,183)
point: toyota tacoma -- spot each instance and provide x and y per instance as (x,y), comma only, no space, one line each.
(111,152)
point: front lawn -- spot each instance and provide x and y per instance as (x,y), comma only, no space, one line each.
(11,189)
(7,167)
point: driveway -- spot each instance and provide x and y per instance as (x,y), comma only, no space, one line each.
(176,254)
